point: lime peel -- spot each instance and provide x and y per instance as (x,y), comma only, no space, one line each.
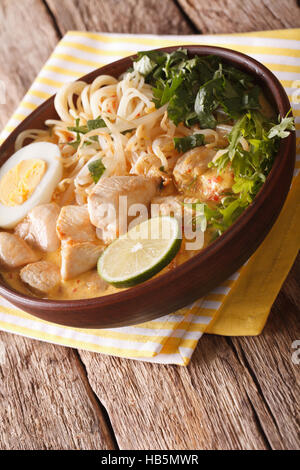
(140,253)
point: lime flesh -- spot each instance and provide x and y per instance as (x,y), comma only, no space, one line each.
(141,253)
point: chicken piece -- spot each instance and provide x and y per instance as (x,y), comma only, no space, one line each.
(168,205)
(191,165)
(78,257)
(14,252)
(41,276)
(184,209)
(39,227)
(213,185)
(74,224)
(104,202)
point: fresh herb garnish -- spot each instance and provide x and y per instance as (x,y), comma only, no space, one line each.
(282,129)
(250,167)
(183,144)
(95,123)
(207,101)
(96,169)
(195,88)
(145,65)
(90,126)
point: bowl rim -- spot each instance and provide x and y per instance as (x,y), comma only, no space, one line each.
(279,96)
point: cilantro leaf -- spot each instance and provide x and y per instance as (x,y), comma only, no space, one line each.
(144,65)
(183,144)
(95,123)
(96,169)
(195,87)
(282,129)
(206,102)
(90,125)
(250,167)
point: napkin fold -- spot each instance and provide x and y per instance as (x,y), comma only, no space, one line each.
(241,304)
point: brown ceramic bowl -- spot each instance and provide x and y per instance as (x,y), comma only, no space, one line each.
(214,264)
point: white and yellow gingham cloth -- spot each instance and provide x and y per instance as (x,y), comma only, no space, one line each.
(236,306)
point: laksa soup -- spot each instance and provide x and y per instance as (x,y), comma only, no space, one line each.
(137,175)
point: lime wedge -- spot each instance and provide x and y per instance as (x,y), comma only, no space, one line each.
(141,253)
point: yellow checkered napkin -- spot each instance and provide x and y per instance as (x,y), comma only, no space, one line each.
(240,306)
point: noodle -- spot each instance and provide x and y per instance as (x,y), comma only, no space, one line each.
(170,140)
(136,138)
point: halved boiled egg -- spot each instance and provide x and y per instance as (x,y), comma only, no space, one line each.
(27,179)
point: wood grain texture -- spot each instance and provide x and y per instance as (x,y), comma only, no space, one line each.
(227,16)
(45,400)
(269,360)
(119,16)
(239,393)
(23,48)
(204,406)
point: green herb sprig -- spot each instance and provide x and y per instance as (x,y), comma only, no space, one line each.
(195,87)
(96,169)
(183,144)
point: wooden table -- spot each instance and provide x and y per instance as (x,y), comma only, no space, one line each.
(237,393)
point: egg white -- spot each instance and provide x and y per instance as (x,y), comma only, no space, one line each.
(50,153)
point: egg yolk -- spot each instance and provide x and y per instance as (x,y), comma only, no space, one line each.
(18,184)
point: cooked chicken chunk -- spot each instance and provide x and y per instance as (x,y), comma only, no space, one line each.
(104,202)
(14,252)
(213,184)
(78,257)
(184,209)
(191,165)
(74,224)
(41,276)
(168,205)
(39,227)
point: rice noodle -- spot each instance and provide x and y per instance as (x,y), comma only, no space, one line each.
(33,134)
(224,128)
(219,154)
(137,138)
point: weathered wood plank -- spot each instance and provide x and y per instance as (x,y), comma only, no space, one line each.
(204,406)
(227,16)
(45,398)
(222,400)
(239,393)
(23,48)
(130,16)
(183,408)
(46,402)
(269,358)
